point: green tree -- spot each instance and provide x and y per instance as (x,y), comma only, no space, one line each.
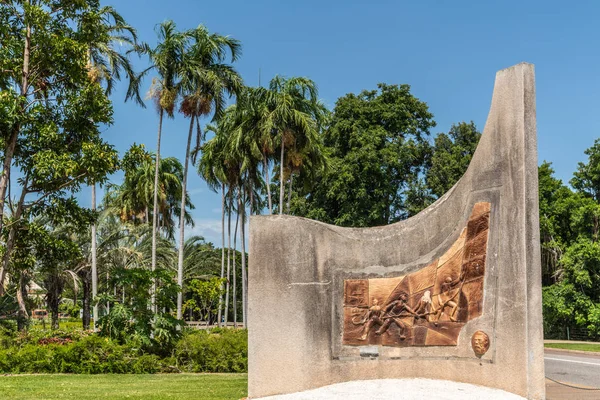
(587,177)
(43,55)
(377,149)
(207,81)
(556,204)
(570,229)
(452,153)
(56,252)
(63,151)
(201,260)
(106,31)
(288,112)
(132,319)
(133,199)
(212,167)
(294,117)
(224,162)
(167,59)
(252,143)
(204,298)
(105,28)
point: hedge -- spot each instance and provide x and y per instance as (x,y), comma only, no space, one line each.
(221,350)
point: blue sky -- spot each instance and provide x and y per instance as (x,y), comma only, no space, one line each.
(448,51)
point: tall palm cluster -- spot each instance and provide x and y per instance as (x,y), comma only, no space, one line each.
(262,141)
(191,71)
(266,130)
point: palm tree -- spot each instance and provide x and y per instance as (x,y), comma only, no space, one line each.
(53,261)
(245,151)
(295,115)
(125,245)
(212,168)
(132,200)
(199,259)
(111,232)
(287,114)
(255,143)
(94,266)
(206,83)
(304,159)
(107,28)
(167,60)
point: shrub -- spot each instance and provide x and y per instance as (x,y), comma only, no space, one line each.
(147,364)
(8,332)
(221,350)
(89,355)
(92,355)
(34,336)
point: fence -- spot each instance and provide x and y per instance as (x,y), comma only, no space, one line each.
(203,325)
(570,333)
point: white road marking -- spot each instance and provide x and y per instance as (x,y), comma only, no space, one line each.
(571,361)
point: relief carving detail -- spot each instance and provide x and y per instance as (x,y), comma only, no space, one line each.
(480,343)
(427,307)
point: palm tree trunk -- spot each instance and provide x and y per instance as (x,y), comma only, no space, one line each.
(182,221)
(54,324)
(228,259)
(268,183)
(281,187)
(94,262)
(244,279)
(84,274)
(219,315)
(290,193)
(107,291)
(155,209)
(237,220)
(11,143)
(54,287)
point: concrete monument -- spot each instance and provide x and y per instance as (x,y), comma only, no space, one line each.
(453,293)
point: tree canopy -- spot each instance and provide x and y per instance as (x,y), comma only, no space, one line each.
(377,150)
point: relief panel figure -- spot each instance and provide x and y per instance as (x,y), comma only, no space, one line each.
(428,307)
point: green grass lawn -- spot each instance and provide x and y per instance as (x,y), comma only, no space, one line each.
(160,386)
(574,346)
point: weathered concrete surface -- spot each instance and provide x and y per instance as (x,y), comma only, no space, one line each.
(297,268)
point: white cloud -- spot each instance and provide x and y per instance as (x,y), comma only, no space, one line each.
(210,229)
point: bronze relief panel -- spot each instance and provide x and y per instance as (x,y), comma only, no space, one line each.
(428,307)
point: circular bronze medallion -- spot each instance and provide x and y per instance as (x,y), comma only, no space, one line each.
(480,343)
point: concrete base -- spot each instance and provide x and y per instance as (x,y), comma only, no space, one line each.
(400,389)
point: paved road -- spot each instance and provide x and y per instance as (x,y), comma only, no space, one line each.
(574,368)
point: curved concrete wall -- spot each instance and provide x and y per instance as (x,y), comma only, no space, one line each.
(298,266)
